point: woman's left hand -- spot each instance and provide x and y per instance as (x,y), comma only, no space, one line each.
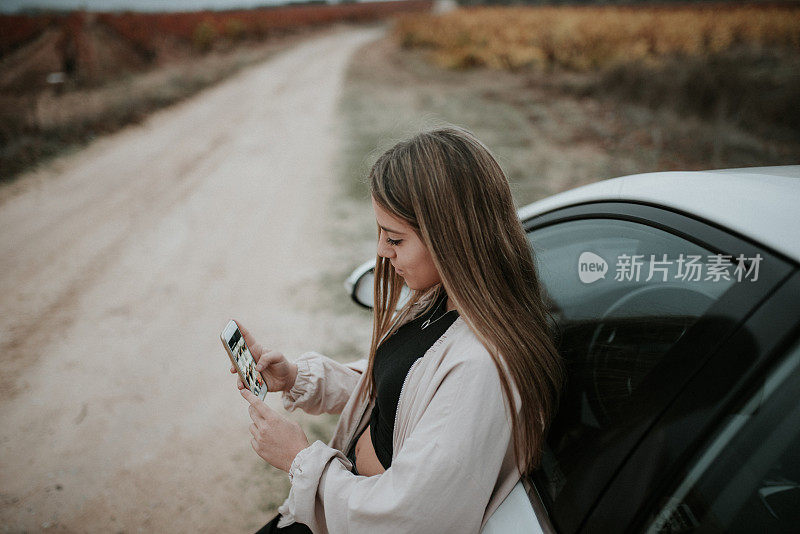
(276,439)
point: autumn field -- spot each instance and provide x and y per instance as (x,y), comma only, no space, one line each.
(583,38)
(67,78)
(738,62)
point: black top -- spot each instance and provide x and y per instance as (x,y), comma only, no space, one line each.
(393,359)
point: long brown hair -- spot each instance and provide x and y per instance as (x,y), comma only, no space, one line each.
(447,186)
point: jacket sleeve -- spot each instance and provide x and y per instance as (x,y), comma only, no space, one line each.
(322,385)
(440,481)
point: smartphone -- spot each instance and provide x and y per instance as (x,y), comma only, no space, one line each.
(240,356)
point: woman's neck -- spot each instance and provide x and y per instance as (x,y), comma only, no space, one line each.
(449,305)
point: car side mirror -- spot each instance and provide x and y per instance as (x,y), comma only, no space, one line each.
(361,286)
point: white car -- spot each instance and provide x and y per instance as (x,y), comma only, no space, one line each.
(677,297)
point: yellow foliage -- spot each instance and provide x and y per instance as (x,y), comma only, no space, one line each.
(583,38)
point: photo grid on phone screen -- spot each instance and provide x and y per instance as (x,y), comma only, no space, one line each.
(245,362)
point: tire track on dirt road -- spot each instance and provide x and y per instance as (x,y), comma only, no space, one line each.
(121,264)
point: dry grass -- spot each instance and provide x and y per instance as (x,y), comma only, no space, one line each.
(734,63)
(549,131)
(584,38)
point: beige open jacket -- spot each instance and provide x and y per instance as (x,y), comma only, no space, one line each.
(453,459)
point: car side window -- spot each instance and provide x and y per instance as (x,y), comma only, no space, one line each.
(623,294)
(748,478)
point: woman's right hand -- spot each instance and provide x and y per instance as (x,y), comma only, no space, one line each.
(278,372)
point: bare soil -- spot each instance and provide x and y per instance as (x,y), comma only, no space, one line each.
(122,262)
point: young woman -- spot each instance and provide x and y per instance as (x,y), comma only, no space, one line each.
(451,407)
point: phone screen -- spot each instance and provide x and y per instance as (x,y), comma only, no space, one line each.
(246,363)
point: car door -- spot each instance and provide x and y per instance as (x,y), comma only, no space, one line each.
(641,298)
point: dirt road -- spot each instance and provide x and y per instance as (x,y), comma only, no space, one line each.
(121,263)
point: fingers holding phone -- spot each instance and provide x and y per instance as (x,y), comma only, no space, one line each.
(243,361)
(279,373)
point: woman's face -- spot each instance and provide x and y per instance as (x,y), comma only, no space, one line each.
(401,245)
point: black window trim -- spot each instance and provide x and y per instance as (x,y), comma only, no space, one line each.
(663,218)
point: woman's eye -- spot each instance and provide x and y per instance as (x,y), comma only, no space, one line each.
(393,242)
